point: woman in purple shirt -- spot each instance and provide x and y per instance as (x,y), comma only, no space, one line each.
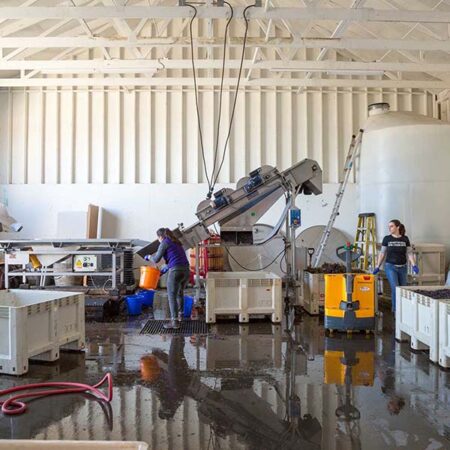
(171,249)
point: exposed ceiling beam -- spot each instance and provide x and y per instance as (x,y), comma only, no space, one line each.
(124,29)
(70,32)
(98,65)
(416,25)
(72,52)
(48,31)
(215,12)
(210,82)
(84,25)
(343,43)
(404,52)
(338,32)
(23,5)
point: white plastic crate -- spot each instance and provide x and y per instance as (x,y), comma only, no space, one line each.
(444,334)
(417,319)
(244,294)
(416,280)
(313,292)
(35,324)
(75,445)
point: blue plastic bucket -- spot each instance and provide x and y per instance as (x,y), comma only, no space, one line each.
(147,297)
(188,304)
(134,304)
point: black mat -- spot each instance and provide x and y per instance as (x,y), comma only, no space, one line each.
(187,327)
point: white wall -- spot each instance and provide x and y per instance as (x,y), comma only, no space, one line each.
(67,136)
(137,211)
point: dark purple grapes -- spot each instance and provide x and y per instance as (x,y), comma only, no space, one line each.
(441,294)
(331,268)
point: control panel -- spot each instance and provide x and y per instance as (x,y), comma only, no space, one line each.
(85,263)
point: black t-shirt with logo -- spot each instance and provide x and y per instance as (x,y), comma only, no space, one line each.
(396,249)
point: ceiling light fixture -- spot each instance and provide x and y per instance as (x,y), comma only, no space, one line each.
(94,70)
(331,71)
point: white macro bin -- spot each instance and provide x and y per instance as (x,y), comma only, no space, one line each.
(244,294)
(313,292)
(419,281)
(417,318)
(35,324)
(444,333)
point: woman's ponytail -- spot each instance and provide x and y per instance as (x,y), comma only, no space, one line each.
(166,233)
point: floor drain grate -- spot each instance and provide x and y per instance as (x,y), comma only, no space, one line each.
(187,327)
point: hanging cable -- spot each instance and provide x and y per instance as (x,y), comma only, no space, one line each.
(247,268)
(281,264)
(258,269)
(196,96)
(214,181)
(216,150)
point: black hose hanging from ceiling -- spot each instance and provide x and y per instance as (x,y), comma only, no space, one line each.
(235,94)
(196,97)
(216,150)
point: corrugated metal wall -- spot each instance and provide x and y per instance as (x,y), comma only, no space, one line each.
(150,136)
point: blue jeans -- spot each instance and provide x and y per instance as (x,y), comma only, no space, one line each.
(397,276)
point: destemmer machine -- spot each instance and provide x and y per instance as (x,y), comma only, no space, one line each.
(236,211)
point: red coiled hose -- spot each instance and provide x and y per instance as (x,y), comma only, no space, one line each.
(13,407)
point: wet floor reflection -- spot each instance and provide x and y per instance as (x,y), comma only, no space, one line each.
(244,387)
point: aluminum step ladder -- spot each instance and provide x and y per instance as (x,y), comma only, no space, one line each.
(351,156)
(366,240)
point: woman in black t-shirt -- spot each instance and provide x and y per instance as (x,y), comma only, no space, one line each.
(396,250)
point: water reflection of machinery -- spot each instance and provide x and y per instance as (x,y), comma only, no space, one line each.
(237,394)
(299,426)
(349,362)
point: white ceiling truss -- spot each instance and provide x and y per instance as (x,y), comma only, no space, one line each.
(291,44)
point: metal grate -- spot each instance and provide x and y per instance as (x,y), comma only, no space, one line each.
(187,327)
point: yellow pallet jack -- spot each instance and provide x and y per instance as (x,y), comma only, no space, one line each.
(349,297)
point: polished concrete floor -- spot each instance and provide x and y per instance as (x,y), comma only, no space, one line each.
(244,387)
